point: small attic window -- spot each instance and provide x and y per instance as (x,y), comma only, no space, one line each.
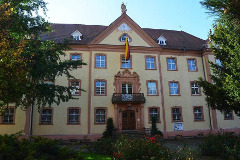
(123,37)
(76,35)
(161,40)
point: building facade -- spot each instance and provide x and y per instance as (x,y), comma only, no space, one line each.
(159,80)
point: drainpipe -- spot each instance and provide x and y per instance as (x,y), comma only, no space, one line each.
(30,122)
(209,114)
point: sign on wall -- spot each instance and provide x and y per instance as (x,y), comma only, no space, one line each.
(177,126)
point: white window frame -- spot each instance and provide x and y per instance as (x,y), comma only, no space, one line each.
(192,65)
(73,84)
(171,64)
(198,116)
(195,86)
(47,120)
(125,63)
(102,89)
(152,90)
(101,62)
(8,117)
(100,114)
(154,114)
(174,88)
(176,115)
(74,115)
(151,62)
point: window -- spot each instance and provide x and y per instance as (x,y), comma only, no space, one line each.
(125,63)
(100,115)
(8,117)
(154,112)
(76,57)
(100,87)
(76,35)
(174,88)
(162,40)
(172,64)
(127,88)
(176,114)
(46,116)
(100,61)
(218,62)
(152,87)
(49,82)
(198,113)
(192,65)
(123,38)
(195,90)
(74,115)
(150,62)
(228,115)
(76,84)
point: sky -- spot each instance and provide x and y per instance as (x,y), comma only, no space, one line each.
(186,15)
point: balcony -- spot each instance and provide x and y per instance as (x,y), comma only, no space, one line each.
(128,98)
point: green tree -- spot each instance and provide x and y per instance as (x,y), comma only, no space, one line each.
(110,131)
(224,93)
(26,61)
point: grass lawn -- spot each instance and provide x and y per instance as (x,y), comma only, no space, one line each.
(93,156)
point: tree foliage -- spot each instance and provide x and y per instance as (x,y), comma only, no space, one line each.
(26,61)
(224,93)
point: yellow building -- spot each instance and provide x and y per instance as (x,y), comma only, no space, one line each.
(157,81)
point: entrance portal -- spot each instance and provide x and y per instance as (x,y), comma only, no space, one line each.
(128,120)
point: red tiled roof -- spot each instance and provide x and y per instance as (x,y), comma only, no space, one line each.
(175,39)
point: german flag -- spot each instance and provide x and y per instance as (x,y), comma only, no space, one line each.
(127,51)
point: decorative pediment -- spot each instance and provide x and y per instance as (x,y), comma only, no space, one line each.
(127,77)
(124,28)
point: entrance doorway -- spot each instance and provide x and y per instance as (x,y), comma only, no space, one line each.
(128,120)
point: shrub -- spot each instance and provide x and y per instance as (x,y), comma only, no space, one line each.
(110,131)
(103,146)
(140,148)
(184,153)
(154,129)
(38,148)
(223,145)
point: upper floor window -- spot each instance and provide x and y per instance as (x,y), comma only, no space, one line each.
(74,115)
(152,87)
(127,88)
(100,87)
(76,57)
(100,61)
(8,117)
(195,90)
(176,114)
(125,63)
(76,84)
(46,116)
(198,113)
(218,62)
(174,88)
(228,115)
(192,65)
(123,37)
(171,64)
(162,40)
(150,63)
(76,35)
(100,115)
(154,112)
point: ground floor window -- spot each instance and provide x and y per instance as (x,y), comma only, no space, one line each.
(228,115)
(154,112)
(46,116)
(8,117)
(74,115)
(176,114)
(198,113)
(100,115)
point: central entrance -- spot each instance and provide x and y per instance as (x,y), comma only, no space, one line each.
(128,120)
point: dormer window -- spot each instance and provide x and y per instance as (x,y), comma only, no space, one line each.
(123,37)
(161,40)
(76,35)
